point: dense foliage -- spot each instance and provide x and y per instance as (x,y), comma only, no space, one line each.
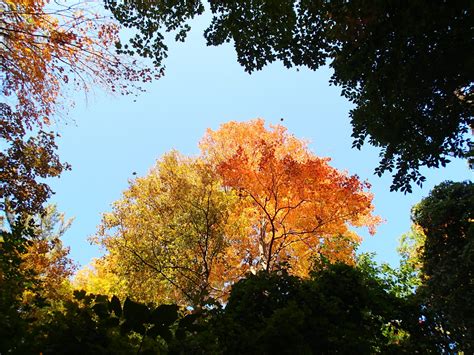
(446,218)
(339,309)
(365,307)
(14,280)
(25,160)
(168,235)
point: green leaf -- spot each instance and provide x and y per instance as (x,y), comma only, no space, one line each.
(161,331)
(128,326)
(101,299)
(188,322)
(135,314)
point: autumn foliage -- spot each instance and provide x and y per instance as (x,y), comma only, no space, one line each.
(46,45)
(298,207)
(256,199)
(167,235)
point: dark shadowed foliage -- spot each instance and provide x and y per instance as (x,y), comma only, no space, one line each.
(446,217)
(407,66)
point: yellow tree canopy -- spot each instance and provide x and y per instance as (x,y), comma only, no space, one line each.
(168,233)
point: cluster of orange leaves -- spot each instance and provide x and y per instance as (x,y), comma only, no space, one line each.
(298,207)
(48,260)
(45,45)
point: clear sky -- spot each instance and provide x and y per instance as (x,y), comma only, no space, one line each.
(108,138)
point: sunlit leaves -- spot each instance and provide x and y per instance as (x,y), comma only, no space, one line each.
(47,48)
(47,45)
(46,256)
(257,199)
(100,277)
(167,235)
(298,207)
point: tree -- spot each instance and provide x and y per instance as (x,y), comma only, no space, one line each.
(14,280)
(100,277)
(45,47)
(24,161)
(404,280)
(46,256)
(447,262)
(257,199)
(168,234)
(297,207)
(405,66)
(99,324)
(410,249)
(340,309)
(34,272)
(75,323)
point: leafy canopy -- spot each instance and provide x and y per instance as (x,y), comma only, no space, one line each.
(406,66)
(446,219)
(48,45)
(168,235)
(297,206)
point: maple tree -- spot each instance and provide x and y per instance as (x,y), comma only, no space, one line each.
(46,45)
(297,206)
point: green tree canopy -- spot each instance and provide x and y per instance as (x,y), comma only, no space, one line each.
(407,66)
(446,218)
(341,309)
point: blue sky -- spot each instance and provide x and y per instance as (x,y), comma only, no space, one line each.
(107,138)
